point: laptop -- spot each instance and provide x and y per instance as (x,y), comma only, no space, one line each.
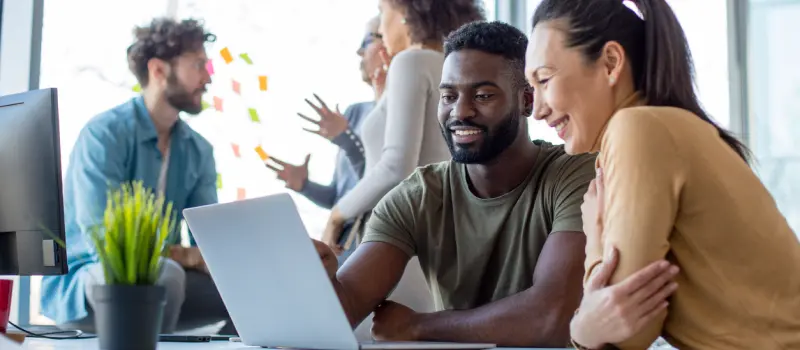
(272,281)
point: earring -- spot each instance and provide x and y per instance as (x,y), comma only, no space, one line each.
(403,21)
(612,80)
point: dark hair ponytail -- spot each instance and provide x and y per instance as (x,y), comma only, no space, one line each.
(656,45)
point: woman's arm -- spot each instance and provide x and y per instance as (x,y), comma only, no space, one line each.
(351,144)
(644,175)
(407,90)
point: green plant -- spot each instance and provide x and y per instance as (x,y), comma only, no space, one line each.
(132,238)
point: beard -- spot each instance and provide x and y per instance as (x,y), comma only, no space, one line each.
(179,98)
(494,143)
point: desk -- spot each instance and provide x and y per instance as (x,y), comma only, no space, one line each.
(88,344)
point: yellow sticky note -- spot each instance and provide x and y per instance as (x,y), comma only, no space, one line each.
(219,181)
(204,105)
(137,88)
(226,55)
(245,57)
(262,82)
(254,115)
(263,155)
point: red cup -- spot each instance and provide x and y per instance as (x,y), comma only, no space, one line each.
(6,287)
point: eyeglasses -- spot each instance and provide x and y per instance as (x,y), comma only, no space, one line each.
(369,39)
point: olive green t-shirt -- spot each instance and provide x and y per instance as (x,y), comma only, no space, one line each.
(474,251)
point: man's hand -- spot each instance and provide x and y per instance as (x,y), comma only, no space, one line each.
(333,230)
(331,124)
(328,258)
(294,176)
(189,258)
(394,322)
(611,314)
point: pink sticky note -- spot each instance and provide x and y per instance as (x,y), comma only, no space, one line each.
(237,88)
(236,150)
(240,194)
(210,67)
(218,104)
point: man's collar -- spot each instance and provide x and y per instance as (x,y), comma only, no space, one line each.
(147,130)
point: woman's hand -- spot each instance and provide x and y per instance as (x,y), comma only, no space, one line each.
(378,77)
(331,123)
(333,230)
(611,314)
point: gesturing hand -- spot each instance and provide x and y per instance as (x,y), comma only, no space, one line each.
(294,176)
(331,124)
(378,77)
(611,314)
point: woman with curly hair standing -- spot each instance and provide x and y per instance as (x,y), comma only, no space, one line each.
(402,131)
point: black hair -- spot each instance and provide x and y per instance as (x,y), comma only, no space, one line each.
(496,38)
(433,20)
(165,39)
(663,70)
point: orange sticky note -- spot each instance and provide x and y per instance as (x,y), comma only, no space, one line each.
(237,88)
(262,82)
(218,103)
(226,55)
(236,150)
(263,155)
(240,194)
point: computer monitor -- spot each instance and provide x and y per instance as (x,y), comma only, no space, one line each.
(31,197)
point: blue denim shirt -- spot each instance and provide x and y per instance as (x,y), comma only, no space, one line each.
(120,145)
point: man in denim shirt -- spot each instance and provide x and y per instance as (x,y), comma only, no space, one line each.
(144,139)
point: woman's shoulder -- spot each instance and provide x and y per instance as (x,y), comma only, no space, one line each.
(649,120)
(412,59)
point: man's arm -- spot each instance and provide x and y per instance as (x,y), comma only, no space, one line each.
(367,278)
(98,164)
(538,316)
(205,191)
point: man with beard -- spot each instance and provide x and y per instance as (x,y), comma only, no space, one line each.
(144,140)
(497,230)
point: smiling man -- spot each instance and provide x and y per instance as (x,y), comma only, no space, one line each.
(144,139)
(497,230)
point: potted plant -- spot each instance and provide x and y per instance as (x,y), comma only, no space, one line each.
(130,244)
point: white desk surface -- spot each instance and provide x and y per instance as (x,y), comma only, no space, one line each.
(86,344)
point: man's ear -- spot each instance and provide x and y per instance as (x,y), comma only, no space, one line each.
(527,101)
(158,71)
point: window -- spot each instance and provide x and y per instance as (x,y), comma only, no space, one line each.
(299,50)
(774,100)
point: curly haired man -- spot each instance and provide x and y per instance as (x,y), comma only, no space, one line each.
(144,139)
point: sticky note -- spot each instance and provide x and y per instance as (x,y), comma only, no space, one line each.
(204,105)
(218,103)
(219,181)
(226,55)
(236,150)
(240,194)
(237,88)
(210,67)
(137,88)
(262,82)
(263,155)
(254,115)
(246,58)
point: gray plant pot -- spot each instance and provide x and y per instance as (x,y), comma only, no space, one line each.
(128,317)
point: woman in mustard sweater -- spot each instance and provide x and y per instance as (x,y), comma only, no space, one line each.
(672,185)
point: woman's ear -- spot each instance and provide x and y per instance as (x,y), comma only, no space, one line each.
(613,58)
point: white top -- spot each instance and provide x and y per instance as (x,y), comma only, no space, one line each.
(402,132)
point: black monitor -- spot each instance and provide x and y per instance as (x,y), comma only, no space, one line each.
(31,197)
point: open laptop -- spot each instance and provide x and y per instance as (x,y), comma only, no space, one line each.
(272,281)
